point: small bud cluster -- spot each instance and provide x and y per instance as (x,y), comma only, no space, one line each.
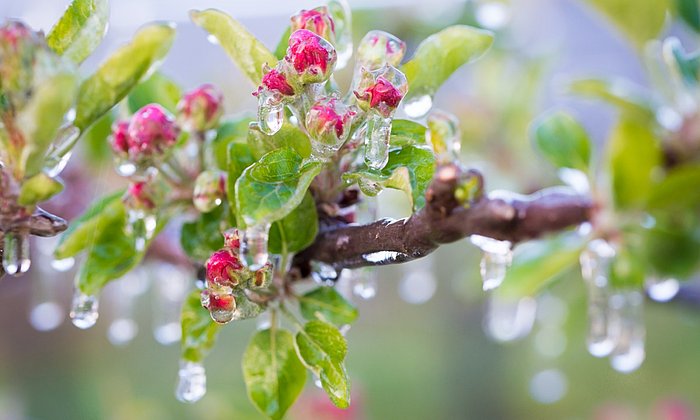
(146,137)
(227,277)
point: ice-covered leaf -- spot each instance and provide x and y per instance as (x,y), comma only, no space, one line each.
(407,133)
(327,304)
(38,188)
(80,30)
(295,231)
(563,141)
(228,132)
(288,136)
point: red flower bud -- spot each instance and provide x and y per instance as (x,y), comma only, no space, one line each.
(318,21)
(232,239)
(328,123)
(120,138)
(223,267)
(152,131)
(312,57)
(275,80)
(201,108)
(139,193)
(381,90)
(378,48)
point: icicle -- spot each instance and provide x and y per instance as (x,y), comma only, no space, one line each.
(254,246)
(141,226)
(342,18)
(595,263)
(192,382)
(662,290)
(323,274)
(170,286)
(83,312)
(444,135)
(364,283)
(417,106)
(627,310)
(509,319)
(16,259)
(496,260)
(270,111)
(377,142)
(61,150)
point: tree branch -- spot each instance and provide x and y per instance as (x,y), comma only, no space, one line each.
(443,220)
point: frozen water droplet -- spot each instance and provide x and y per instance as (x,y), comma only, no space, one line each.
(662,290)
(627,312)
(63,265)
(495,262)
(324,274)
(254,252)
(270,111)
(364,283)
(444,135)
(377,141)
(222,316)
(318,383)
(125,167)
(141,226)
(121,331)
(509,319)
(576,179)
(213,39)
(15,259)
(61,150)
(46,316)
(595,264)
(192,382)
(83,312)
(417,106)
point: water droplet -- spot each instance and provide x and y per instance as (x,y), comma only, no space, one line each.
(213,39)
(83,311)
(125,167)
(46,316)
(15,259)
(548,386)
(377,142)
(61,149)
(444,135)
(63,265)
(141,226)
(509,319)
(121,331)
(270,112)
(364,283)
(595,264)
(324,274)
(417,106)
(192,382)
(662,290)
(495,262)
(254,252)
(627,311)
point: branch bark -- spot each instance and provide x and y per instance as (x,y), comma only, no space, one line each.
(443,220)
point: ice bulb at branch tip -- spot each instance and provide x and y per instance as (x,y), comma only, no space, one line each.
(377,139)
(662,290)
(192,382)
(324,274)
(61,150)
(16,259)
(418,106)
(254,252)
(495,261)
(509,319)
(63,265)
(602,328)
(84,310)
(628,315)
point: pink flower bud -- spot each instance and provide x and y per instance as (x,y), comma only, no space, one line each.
(382,90)
(138,194)
(232,239)
(311,57)
(201,108)
(318,21)
(218,302)
(145,194)
(378,48)
(209,190)
(328,123)
(223,267)
(275,81)
(120,138)
(152,131)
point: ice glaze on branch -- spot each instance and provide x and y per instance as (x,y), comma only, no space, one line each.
(443,220)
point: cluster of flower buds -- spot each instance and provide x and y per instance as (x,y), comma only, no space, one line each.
(144,139)
(209,190)
(201,109)
(227,276)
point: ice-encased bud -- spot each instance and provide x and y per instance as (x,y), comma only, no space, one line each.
(152,131)
(311,58)
(209,191)
(254,253)
(201,109)
(378,48)
(381,90)
(223,268)
(317,20)
(328,124)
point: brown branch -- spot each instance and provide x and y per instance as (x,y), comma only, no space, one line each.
(444,220)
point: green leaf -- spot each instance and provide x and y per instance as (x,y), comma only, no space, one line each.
(323,349)
(42,117)
(634,154)
(80,30)
(158,89)
(677,192)
(627,96)
(327,304)
(689,11)
(38,188)
(563,141)
(639,20)
(273,374)
(271,188)
(81,231)
(672,249)
(243,47)
(538,263)
(239,158)
(199,332)
(439,55)
(232,131)
(202,237)
(287,136)
(123,70)
(295,231)
(684,65)
(407,133)
(409,169)
(281,49)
